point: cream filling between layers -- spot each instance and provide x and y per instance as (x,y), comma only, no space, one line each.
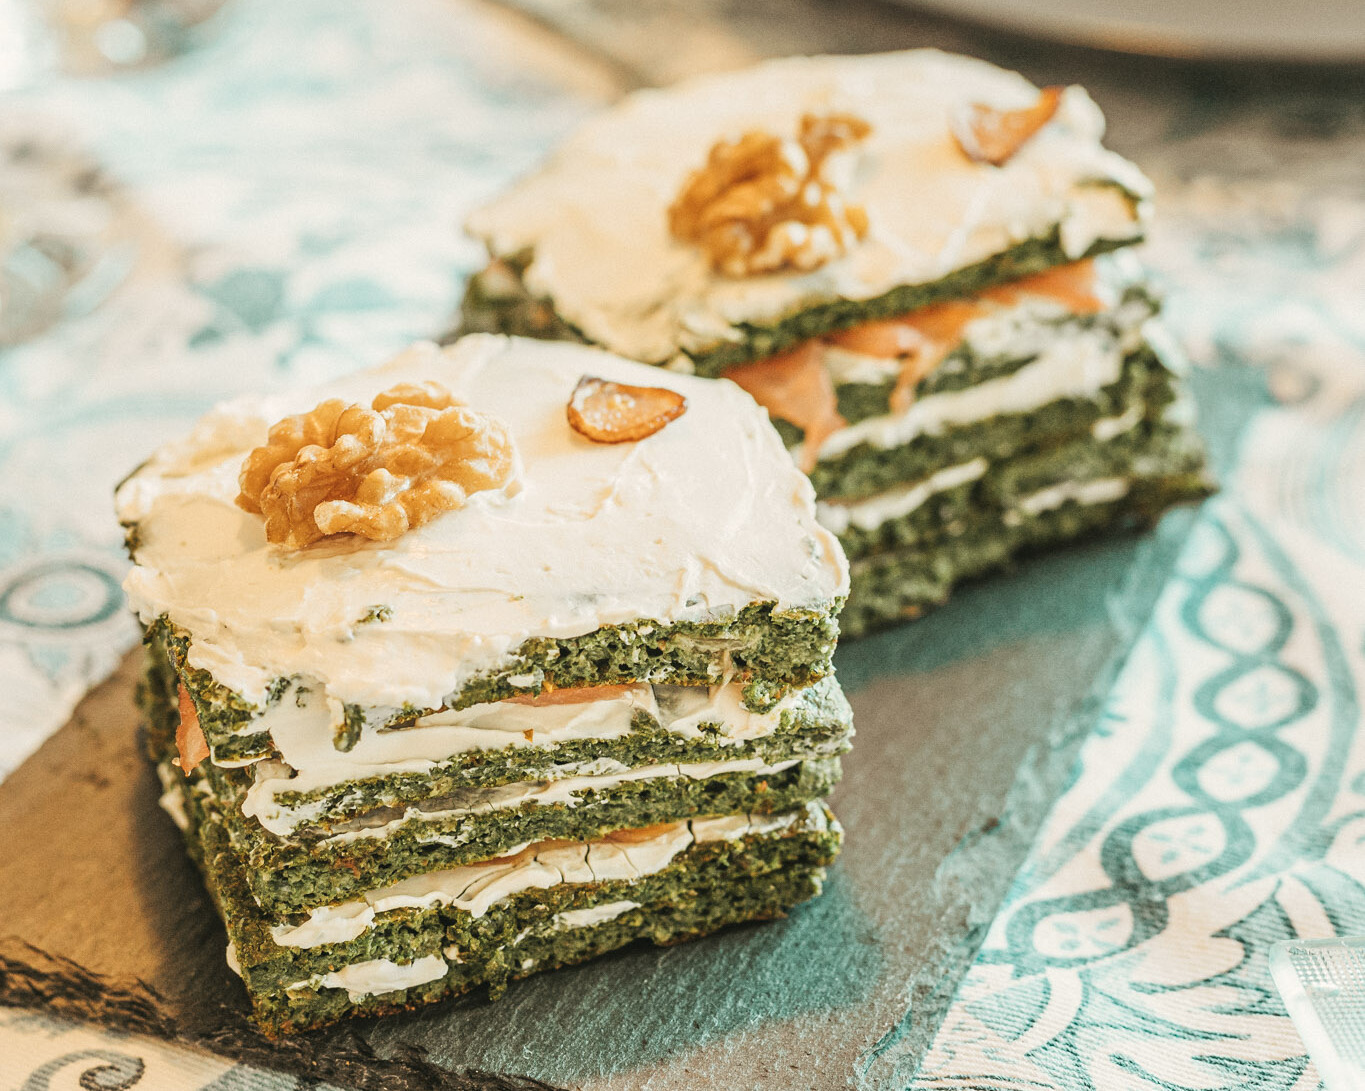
(695,522)
(1100,490)
(598,776)
(475,888)
(595,216)
(378,976)
(895,503)
(1077,364)
(593,914)
(302,722)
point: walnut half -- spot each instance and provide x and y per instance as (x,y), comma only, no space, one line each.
(763,203)
(377,472)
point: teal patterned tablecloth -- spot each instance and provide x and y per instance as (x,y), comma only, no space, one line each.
(285,204)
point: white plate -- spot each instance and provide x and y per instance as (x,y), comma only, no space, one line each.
(1315,31)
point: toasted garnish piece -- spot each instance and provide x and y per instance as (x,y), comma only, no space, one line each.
(189,736)
(571,695)
(608,412)
(988,135)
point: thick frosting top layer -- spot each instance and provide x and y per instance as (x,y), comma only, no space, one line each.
(595,216)
(702,518)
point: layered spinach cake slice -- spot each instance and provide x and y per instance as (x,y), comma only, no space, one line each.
(450,616)
(916,262)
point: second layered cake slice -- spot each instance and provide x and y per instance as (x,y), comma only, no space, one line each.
(428,729)
(916,262)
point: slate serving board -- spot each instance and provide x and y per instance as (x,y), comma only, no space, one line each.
(967,723)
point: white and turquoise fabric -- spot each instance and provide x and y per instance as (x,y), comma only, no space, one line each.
(287,213)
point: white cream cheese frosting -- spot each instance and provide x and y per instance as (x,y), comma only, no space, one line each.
(595,216)
(476,888)
(698,520)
